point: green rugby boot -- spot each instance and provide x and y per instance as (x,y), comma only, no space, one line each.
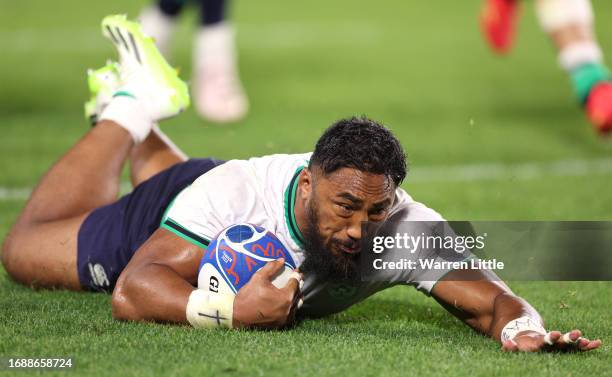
(144,73)
(102,83)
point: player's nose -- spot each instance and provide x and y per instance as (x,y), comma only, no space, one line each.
(354,229)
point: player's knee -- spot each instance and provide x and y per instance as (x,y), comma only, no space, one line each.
(5,257)
(13,257)
(8,247)
(8,254)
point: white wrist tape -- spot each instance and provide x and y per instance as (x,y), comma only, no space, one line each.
(519,325)
(566,338)
(557,14)
(210,310)
(547,339)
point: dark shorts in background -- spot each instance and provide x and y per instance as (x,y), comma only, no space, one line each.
(110,235)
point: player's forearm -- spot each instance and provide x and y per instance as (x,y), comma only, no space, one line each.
(152,293)
(506,308)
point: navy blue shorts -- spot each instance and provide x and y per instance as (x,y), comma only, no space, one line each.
(110,235)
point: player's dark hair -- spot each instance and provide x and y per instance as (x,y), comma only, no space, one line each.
(363,144)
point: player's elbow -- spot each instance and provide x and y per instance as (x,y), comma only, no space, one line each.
(506,299)
(123,306)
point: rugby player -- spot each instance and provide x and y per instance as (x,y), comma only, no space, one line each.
(218,93)
(145,248)
(569,24)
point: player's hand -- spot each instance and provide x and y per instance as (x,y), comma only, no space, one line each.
(530,341)
(260,304)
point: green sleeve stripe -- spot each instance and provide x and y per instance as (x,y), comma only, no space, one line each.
(290,193)
(167,210)
(185,234)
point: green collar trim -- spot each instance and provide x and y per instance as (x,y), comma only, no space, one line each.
(290,192)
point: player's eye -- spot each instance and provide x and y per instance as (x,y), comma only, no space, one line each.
(377,214)
(344,209)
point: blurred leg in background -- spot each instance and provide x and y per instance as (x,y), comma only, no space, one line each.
(218,93)
(569,24)
(498,23)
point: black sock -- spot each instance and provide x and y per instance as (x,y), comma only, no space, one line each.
(171,7)
(212,11)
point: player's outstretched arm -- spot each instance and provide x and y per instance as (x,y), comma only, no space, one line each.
(487,305)
(158,283)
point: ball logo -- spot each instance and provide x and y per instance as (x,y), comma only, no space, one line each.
(236,254)
(214,284)
(226,258)
(270,251)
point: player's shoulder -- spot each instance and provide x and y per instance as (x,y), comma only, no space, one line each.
(275,172)
(405,208)
(280,162)
(251,168)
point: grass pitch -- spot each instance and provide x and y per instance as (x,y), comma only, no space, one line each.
(419,67)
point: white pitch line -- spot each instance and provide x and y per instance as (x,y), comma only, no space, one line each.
(10,193)
(520,171)
(273,35)
(449,173)
(23,193)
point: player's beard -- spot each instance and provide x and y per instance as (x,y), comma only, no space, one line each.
(319,260)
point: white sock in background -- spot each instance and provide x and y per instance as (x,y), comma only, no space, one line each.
(159,26)
(578,54)
(214,45)
(218,92)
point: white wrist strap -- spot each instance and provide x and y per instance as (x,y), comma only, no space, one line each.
(521,324)
(210,310)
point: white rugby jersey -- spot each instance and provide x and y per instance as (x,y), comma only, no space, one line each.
(261,191)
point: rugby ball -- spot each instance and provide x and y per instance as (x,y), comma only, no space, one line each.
(236,254)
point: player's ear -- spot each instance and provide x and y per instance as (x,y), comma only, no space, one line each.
(305,184)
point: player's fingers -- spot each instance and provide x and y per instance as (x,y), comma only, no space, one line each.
(582,342)
(586,345)
(509,346)
(552,337)
(300,277)
(592,345)
(569,339)
(297,304)
(271,269)
(293,285)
